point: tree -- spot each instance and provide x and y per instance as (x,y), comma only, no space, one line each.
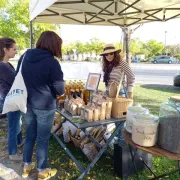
(136,46)
(173,49)
(154,48)
(68,48)
(96,45)
(118,45)
(3,3)
(80,47)
(14,22)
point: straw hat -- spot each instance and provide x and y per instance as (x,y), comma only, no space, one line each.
(109,48)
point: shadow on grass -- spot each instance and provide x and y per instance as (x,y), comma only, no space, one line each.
(161,87)
(67,169)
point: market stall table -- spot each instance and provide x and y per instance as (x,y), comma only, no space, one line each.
(155,151)
(83,125)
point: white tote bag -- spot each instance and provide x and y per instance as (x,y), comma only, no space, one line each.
(16,99)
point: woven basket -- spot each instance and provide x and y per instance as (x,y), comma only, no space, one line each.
(120,106)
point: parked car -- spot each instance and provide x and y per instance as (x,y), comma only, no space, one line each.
(177,80)
(165,59)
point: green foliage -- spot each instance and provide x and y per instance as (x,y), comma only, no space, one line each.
(68,48)
(14,22)
(149,49)
(153,48)
(177,55)
(118,45)
(173,49)
(136,46)
(96,45)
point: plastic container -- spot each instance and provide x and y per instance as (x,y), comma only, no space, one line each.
(169,133)
(132,111)
(144,130)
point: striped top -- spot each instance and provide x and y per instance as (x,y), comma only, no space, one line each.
(116,73)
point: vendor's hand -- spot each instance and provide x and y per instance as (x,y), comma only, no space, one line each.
(130,95)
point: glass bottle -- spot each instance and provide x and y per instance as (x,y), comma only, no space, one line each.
(86,96)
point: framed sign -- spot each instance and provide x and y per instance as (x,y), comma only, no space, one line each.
(93,81)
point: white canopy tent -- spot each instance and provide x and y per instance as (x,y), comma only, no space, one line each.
(121,13)
(103,12)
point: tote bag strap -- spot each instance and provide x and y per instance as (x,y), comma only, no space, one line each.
(120,83)
(20,68)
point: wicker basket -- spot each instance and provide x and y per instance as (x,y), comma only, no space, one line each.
(120,106)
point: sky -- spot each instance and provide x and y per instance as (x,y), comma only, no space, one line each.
(111,34)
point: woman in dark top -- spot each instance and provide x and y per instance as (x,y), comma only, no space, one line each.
(43,78)
(7,75)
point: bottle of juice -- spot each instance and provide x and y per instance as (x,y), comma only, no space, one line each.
(86,96)
(73,93)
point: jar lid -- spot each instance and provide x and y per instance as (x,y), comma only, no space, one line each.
(175,98)
(137,109)
(146,118)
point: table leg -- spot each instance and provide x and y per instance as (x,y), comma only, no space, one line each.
(68,152)
(99,154)
(178,166)
(132,158)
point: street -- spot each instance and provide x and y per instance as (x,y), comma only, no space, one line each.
(145,73)
(155,73)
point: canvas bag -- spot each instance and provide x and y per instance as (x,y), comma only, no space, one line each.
(16,99)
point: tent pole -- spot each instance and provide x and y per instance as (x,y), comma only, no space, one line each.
(31,34)
(126,41)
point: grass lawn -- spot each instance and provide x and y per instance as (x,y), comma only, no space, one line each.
(149,97)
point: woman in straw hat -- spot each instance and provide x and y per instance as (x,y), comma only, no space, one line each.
(113,66)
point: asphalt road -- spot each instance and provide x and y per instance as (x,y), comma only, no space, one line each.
(155,73)
(145,73)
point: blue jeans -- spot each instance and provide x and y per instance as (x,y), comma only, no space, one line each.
(14,129)
(38,127)
(123,92)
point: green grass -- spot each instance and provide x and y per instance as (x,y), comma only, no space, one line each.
(152,97)
(148,97)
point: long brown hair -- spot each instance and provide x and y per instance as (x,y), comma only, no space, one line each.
(51,42)
(7,43)
(108,66)
(114,63)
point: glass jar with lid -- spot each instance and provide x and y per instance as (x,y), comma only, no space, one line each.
(169,132)
(144,129)
(132,111)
